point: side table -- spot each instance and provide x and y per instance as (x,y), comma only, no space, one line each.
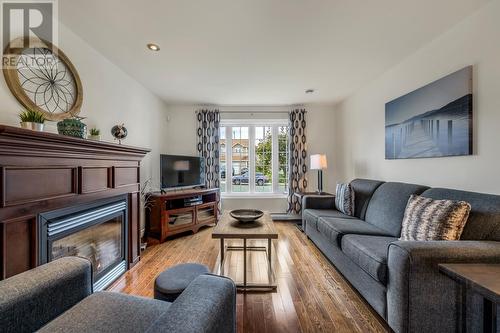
(483,279)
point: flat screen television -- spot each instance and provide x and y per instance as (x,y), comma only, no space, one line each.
(181,171)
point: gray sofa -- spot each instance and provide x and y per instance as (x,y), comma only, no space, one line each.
(57,297)
(400,279)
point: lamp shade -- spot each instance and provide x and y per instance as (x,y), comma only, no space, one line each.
(318,162)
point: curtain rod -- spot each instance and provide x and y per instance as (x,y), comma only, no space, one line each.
(256,111)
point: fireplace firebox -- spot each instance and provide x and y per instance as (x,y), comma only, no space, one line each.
(96,231)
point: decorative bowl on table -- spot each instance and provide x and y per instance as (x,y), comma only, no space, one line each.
(246,215)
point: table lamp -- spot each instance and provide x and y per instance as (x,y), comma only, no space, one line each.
(318,162)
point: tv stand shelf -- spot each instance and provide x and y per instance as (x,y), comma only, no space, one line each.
(168,214)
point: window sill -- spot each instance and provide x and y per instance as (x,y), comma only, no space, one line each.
(253,196)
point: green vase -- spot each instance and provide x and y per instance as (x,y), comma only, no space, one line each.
(72,127)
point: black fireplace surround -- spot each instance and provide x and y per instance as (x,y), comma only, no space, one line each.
(96,231)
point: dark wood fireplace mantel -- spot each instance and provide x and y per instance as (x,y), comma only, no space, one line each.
(40,172)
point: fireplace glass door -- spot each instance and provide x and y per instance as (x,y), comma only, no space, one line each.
(100,243)
(96,231)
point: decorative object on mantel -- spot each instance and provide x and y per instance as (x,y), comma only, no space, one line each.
(94,134)
(32,120)
(119,132)
(43,79)
(72,127)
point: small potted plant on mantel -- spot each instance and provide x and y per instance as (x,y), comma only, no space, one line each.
(32,120)
(95,134)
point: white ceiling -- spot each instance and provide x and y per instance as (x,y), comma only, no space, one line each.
(259,51)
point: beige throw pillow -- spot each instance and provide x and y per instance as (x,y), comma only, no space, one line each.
(429,219)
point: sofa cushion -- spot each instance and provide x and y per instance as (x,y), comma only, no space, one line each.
(387,206)
(344,199)
(363,191)
(484,217)
(335,228)
(109,312)
(430,219)
(311,215)
(369,253)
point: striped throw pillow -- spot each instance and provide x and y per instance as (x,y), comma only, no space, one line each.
(344,199)
(428,219)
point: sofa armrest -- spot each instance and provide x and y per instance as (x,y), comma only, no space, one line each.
(419,297)
(207,305)
(318,202)
(31,299)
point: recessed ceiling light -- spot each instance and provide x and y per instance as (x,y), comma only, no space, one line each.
(153,47)
(309,91)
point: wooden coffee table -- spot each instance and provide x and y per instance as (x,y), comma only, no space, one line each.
(263,228)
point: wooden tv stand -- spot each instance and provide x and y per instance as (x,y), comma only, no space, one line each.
(169,215)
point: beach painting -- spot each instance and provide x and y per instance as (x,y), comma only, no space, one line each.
(433,121)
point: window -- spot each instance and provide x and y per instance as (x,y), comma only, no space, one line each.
(239,148)
(222,159)
(239,159)
(283,157)
(254,157)
(263,159)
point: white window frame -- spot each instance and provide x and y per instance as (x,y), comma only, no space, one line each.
(251,124)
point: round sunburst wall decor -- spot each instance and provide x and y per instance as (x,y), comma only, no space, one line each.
(42,78)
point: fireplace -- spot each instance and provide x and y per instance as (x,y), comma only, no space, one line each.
(96,231)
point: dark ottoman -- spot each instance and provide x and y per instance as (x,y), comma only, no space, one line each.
(172,282)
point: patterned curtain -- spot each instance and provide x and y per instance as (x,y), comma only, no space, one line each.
(298,158)
(208,144)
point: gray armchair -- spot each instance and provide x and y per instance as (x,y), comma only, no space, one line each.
(57,297)
(31,299)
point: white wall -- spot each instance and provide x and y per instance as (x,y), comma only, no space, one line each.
(321,139)
(360,118)
(110,97)
(181,134)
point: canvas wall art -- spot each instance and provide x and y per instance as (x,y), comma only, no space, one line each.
(433,121)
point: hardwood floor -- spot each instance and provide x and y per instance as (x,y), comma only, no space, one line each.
(311,296)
